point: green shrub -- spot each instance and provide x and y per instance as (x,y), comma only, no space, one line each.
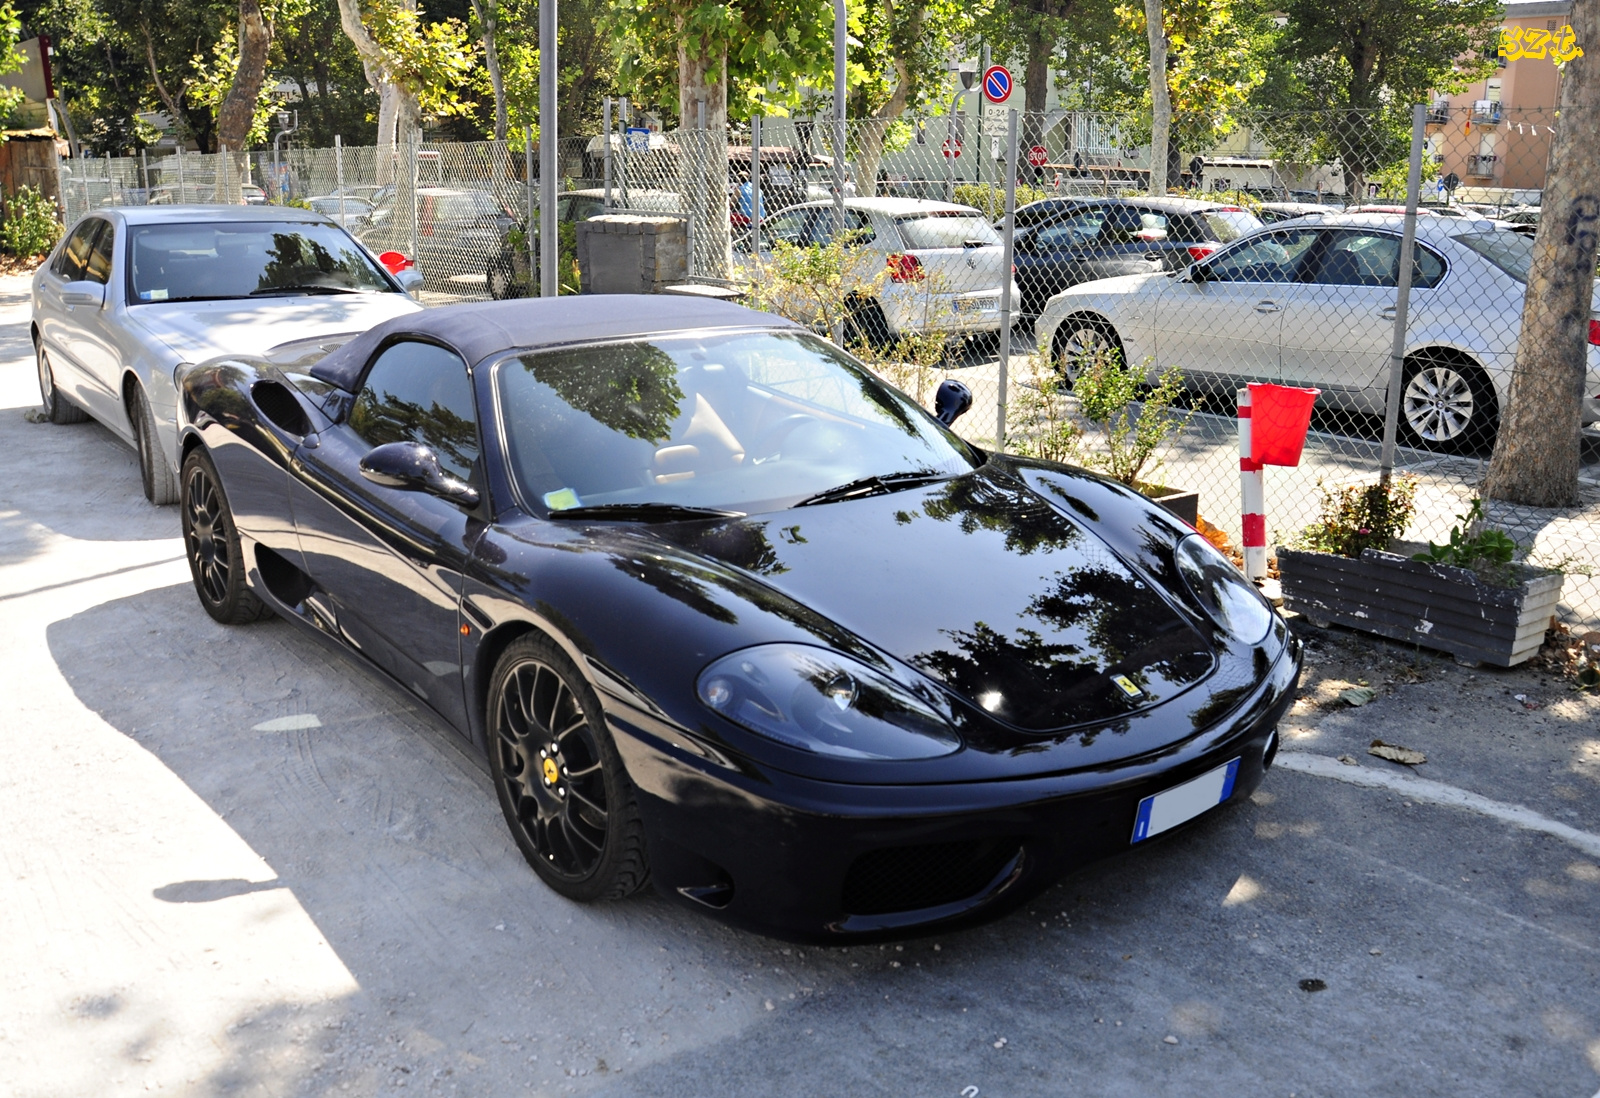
(1107,390)
(30,227)
(991,197)
(1361,516)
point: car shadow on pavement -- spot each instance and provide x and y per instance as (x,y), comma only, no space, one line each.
(1180,968)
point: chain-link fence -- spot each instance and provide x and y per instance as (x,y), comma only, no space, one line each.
(1275,256)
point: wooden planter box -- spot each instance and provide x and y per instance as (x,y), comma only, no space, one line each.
(1186,505)
(1437,606)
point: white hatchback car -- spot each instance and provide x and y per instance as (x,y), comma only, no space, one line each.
(941,263)
(1312,302)
(132,293)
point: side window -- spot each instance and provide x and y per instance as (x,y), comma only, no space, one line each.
(1426,268)
(1275,257)
(74,255)
(1127,225)
(418,392)
(790,228)
(1360,259)
(98,267)
(1078,229)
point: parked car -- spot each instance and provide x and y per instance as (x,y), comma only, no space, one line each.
(1311,302)
(667,564)
(253,195)
(942,263)
(458,231)
(132,293)
(1106,237)
(344,210)
(1036,213)
(1271,212)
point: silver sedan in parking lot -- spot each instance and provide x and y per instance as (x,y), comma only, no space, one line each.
(1312,302)
(132,293)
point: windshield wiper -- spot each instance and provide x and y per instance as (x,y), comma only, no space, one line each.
(643,512)
(873,486)
(308,289)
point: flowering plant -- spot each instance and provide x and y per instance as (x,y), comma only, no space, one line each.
(1361,516)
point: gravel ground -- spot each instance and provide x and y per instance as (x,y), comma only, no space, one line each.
(232,863)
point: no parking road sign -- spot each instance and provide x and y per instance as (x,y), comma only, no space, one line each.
(951,148)
(997,84)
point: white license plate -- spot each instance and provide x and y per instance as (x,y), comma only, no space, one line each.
(975,304)
(1182,803)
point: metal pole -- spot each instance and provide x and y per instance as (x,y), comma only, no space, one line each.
(1252,498)
(950,145)
(1007,238)
(605,202)
(144,172)
(416,245)
(338,177)
(839,36)
(533,213)
(549,280)
(181,195)
(625,116)
(985,59)
(219,190)
(755,187)
(1402,301)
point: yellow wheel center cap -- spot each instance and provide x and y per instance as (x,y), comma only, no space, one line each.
(551,772)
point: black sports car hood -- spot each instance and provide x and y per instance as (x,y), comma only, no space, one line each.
(982,585)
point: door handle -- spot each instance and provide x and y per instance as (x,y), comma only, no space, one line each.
(1267,307)
(1388,311)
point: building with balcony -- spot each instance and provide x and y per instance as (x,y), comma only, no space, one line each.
(1495,135)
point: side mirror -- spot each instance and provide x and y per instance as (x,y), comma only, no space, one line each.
(1196,273)
(84,293)
(951,402)
(410,280)
(412,467)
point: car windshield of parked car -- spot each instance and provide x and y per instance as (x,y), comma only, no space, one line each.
(207,262)
(1511,252)
(747,421)
(946,229)
(1230,224)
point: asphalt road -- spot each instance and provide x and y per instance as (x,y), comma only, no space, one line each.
(232,864)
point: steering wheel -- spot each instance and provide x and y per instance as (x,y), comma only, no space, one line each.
(773,437)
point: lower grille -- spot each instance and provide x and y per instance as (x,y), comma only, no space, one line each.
(908,878)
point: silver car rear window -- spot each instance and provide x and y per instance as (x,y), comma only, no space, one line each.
(1230,224)
(945,229)
(1511,252)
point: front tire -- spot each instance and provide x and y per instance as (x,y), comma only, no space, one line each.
(501,279)
(1447,405)
(211,542)
(160,485)
(57,408)
(866,326)
(561,785)
(1077,341)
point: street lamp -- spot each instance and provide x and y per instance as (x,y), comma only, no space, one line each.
(285,127)
(967,76)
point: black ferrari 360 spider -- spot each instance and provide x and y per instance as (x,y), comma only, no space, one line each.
(726,612)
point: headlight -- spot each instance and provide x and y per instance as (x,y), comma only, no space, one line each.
(820,701)
(1228,598)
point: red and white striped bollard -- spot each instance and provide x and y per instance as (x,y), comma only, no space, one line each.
(1252,498)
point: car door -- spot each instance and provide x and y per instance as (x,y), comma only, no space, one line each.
(1221,321)
(390,559)
(97,341)
(1052,256)
(1343,333)
(61,322)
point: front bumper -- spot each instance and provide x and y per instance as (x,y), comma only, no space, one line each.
(819,861)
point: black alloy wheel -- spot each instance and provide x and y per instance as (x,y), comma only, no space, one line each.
(501,280)
(160,485)
(1078,341)
(57,408)
(570,806)
(1447,405)
(866,326)
(211,542)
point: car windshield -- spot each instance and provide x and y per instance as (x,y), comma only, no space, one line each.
(946,229)
(1230,224)
(748,421)
(1511,252)
(201,262)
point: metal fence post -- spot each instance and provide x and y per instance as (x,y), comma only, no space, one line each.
(182,194)
(755,186)
(416,243)
(605,202)
(338,177)
(1008,237)
(533,214)
(549,254)
(144,174)
(1402,301)
(624,117)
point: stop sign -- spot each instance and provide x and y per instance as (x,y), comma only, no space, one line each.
(952,148)
(1038,156)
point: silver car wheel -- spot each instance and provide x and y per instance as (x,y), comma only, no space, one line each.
(1079,342)
(1439,403)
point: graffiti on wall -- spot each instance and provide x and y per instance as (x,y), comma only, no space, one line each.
(1557,46)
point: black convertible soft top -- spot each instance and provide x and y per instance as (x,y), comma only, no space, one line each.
(478,330)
